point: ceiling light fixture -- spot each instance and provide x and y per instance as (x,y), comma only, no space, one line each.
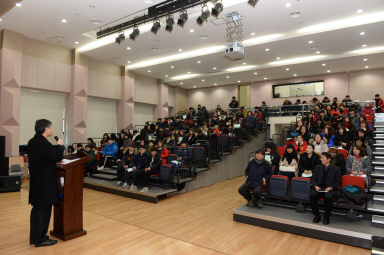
(328,71)
(240,68)
(324,64)
(297,60)
(18,4)
(120,38)
(238,81)
(166,76)
(365,60)
(64,21)
(288,5)
(182,19)
(129,61)
(203,80)
(172,67)
(135,33)
(191,30)
(149,71)
(194,87)
(287,69)
(265,78)
(294,75)
(368,50)
(227,77)
(364,45)
(310,42)
(252,2)
(169,23)
(295,14)
(204,15)
(362,33)
(359,11)
(181,83)
(217,9)
(184,76)
(277,58)
(156,26)
(253,33)
(215,84)
(267,50)
(76,42)
(214,68)
(255,73)
(366,67)
(180,50)
(318,52)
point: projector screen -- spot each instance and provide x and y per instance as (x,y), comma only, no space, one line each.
(313,88)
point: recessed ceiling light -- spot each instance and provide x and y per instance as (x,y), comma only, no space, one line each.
(255,73)
(185,76)
(64,20)
(277,58)
(240,68)
(189,72)
(128,48)
(323,64)
(76,42)
(364,45)
(203,80)
(194,86)
(328,71)
(359,11)
(365,60)
(214,68)
(244,63)
(297,60)
(287,69)
(238,81)
(294,75)
(166,76)
(362,33)
(18,4)
(199,61)
(253,33)
(1,19)
(368,50)
(366,67)
(295,14)
(191,30)
(267,49)
(215,84)
(317,52)
(180,50)
(310,42)
(172,67)
(181,83)
(149,71)
(265,78)
(288,5)
(129,61)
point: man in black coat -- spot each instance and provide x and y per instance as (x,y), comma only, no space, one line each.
(326,181)
(258,173)
(43,192)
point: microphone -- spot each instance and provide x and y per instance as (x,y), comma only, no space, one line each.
(56,138)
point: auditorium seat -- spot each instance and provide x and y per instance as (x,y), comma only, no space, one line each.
(278,186)
(300,188)
(281,150)
(353,181)
(344,152)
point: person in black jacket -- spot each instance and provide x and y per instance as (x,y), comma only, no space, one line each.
(272,157)
(127,162)
(43,191)
(141,176)
(308,161)
(258,173)
(337,159)
(234,104)
(326,181)
(342,138)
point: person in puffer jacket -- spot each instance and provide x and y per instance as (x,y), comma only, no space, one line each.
(258,173)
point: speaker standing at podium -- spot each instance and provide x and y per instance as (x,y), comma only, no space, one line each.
(43,192)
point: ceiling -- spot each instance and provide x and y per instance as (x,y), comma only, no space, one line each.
(201,52)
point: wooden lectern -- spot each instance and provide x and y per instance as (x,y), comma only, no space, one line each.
(68,214)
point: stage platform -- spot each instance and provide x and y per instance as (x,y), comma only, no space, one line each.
(153,195)
(359,233)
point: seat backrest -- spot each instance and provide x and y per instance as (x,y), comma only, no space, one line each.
(165,173)
(353,181)
(291,141)
(300,188)
(281,150)
(344,152)
(15,170)
(278,186)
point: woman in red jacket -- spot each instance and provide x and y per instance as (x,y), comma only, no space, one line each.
(163,151)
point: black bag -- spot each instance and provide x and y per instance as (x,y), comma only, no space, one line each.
(359,198)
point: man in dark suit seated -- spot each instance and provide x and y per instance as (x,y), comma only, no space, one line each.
(326,180)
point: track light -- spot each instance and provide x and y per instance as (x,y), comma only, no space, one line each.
(135,33)
(156,26)
(217,9)
(252,2)
(120,38)
(169,23)
(182,19)
(204,15)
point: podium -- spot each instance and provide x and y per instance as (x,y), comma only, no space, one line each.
(68,213)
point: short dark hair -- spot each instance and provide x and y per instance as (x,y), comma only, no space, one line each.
(79,145)
(88,146)
(326,154)
(41,125)
(377,95)
(260,152)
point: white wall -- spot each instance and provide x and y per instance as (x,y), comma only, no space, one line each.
(211,97)
(101,117)
(142,113)
(146,90)
(36,105)
(365,84)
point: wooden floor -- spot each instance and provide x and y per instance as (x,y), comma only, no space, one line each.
(198,222)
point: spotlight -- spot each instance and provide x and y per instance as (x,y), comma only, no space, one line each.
(120,38)
(156,26)
(204,15)
(217,9)
(182,19)
(252,2)
(135,33)
(169,23)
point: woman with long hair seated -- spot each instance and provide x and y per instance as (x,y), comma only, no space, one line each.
(272,157)
(307,162)
(359,164)
(320,144)
(289,163)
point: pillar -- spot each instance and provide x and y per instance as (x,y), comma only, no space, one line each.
(76,108)
(161,109)
(10,89)
(125,107)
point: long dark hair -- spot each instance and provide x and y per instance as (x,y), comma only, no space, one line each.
(290,156)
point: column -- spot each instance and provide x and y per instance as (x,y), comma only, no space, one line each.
(10,89)
(76,108)
(161,109)
(125,107)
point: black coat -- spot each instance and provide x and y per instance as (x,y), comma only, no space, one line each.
(156,163)
(333,177)
(339,161)
(306,163)
(42,157)
(256,172)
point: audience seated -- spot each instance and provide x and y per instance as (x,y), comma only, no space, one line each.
(308,161)
(258,173)
(326,181)
(289,163)
(89,167)
(300,144)
(320,144)
(337,159)
(124,169)
(109,151)
(359,164)
(272,157)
